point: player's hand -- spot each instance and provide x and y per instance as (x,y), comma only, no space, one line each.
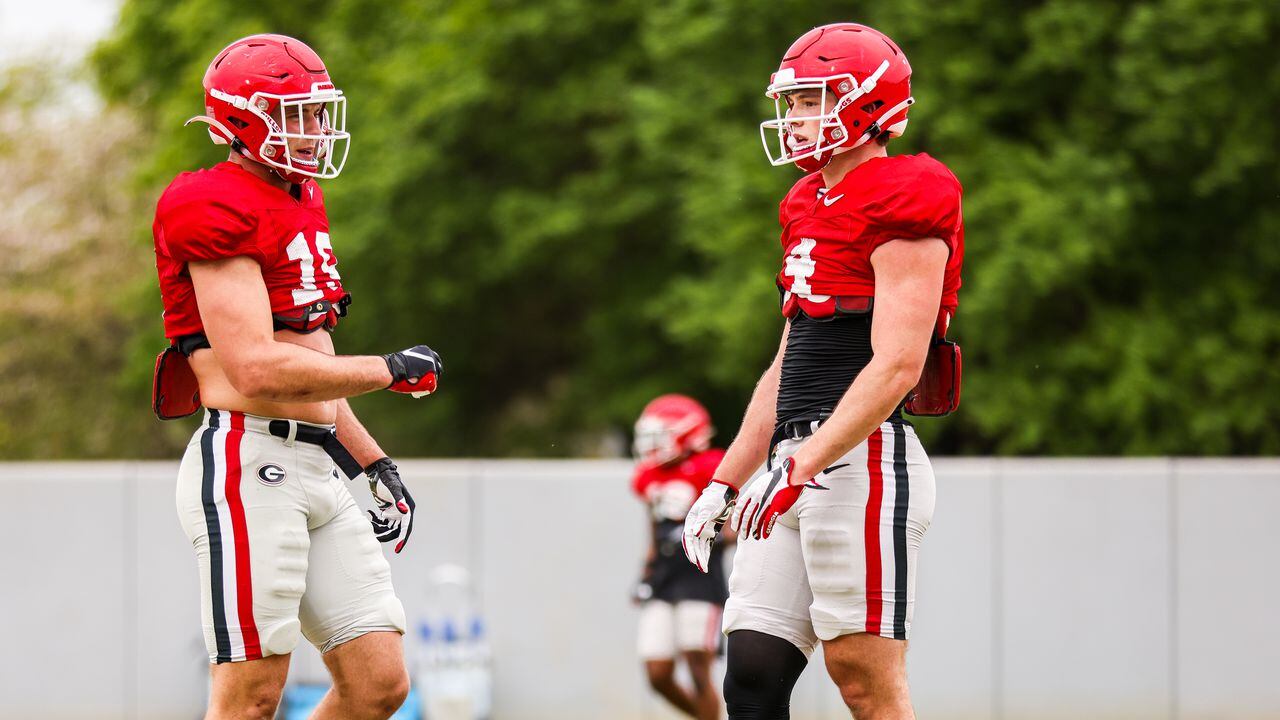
(643,589)
(641,593)
(415,371)
(394,519)
(705,518)
(765,498)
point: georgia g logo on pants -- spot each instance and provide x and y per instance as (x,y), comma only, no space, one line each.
(271,475)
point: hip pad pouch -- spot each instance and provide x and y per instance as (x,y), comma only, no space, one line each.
(174,390)
(938,392)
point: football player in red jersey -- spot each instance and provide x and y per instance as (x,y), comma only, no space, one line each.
(248,277)
(680,607)
(830,529)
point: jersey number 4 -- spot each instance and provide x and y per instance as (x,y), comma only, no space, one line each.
(302,251)
(800,266)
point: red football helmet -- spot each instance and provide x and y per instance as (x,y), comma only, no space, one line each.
(865,81)
(255,84)
(671,427)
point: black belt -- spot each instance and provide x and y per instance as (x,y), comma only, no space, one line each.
(800,429)
(791,430)
(323,437)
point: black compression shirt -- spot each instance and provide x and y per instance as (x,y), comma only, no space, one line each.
(820,363)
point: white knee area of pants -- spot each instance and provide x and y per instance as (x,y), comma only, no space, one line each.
(395,613)
(385,615)
(281,638)
(786,628)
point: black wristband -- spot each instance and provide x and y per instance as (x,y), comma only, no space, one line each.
(395,366)
(379,465)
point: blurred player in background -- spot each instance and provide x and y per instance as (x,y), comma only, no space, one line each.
(681,607)
(829,532)
(248,277)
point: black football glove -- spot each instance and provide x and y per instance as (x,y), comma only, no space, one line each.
(415,371)
(394,519)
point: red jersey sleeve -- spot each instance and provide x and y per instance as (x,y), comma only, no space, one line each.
(920,200)
(208,229)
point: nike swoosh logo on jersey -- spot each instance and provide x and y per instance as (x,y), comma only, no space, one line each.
(829,201)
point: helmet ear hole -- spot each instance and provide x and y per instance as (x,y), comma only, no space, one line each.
(872,106)
(238,123)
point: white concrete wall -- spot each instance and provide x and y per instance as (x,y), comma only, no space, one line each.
(1047,589)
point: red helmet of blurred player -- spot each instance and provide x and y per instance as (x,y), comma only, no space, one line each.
(865,84)
(270,97)
(670,428)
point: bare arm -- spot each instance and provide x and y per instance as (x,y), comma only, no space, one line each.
(236,313)
(351,432)
(652,552)
(353,435)
(749,448)
(908,292)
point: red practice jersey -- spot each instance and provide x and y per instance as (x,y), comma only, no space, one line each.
(670,490)
(226,211)
(828,238)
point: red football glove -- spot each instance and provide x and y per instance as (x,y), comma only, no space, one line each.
(415,371)
(764,499)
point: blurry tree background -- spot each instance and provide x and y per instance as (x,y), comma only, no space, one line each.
(568,199)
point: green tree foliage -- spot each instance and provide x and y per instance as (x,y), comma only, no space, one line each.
(68,283)
(568,199)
